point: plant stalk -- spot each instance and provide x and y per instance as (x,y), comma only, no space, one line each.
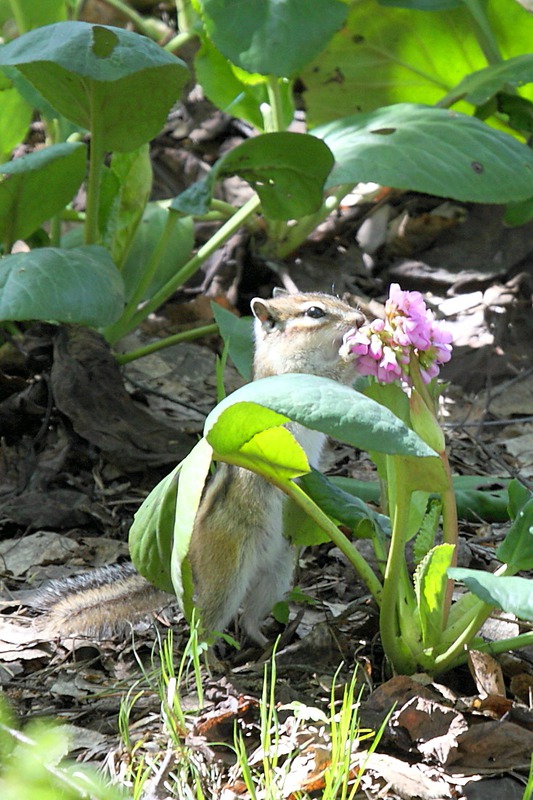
(218,239)
(96,163)
(168,341)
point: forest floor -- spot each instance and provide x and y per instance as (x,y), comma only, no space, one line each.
(83,444)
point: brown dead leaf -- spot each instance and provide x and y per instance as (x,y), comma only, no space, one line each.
(487,673)
(493,747)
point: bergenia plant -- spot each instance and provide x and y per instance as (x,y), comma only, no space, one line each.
(392,415)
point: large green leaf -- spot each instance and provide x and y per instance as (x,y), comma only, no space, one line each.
(328,406)
(431,150)
(80,285)
(394,55)
(37,186)
(272,37)
(103,78)
(29,14)
(513,595)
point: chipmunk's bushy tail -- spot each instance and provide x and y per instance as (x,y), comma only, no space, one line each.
(97,603)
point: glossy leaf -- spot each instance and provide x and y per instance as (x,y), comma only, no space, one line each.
(151,533)
(120,82)
(37,186)
(431,150)
(513,595)
(80,285)
(272,37)
(328,406)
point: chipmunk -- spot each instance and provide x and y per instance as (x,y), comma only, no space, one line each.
(239,555)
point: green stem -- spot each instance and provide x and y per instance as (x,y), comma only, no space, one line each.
(168,341)
(178,41)
(274,119)
(299,232)
(395,649)
(456,653)
(96,163)
(222,235)
(345,546)
(483,31)
(132,15)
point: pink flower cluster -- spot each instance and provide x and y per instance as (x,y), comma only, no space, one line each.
(383,348)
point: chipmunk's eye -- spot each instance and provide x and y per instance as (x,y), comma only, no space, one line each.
(315,312)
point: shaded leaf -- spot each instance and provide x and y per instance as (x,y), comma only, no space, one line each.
(120,82)
(513,595)
(335,409)
(516,550)
(80,285)
(430,581)
(37,186)
(480,86)
(431,150)
(237,333)
(270,37)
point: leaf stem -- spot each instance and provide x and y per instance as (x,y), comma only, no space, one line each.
(188,269)
(390,630)
(168,341)
(297,494)
(483,31)
(96,163)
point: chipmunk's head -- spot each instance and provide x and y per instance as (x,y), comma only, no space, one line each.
(303,332)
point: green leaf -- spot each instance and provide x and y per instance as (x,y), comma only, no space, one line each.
(15,117)
(196,199)
(328,406)
(80,285)
(37,186)
(237,333)
(519,495)
(123,199)
(151,533)
(430,580)
(148,235)
(287,170)
(272,37)
(192,478)
(425,538)
(516,550)
(519,213)
(480,86)
(513,595)
(29,14)
(431,150)
(345,508)
(422,5)
(251,436)
(103,78)
(224,85)
(389,55)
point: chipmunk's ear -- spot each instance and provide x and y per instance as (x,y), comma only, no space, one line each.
(277,291)
(262,311)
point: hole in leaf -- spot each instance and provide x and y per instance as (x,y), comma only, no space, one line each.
(104,42)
